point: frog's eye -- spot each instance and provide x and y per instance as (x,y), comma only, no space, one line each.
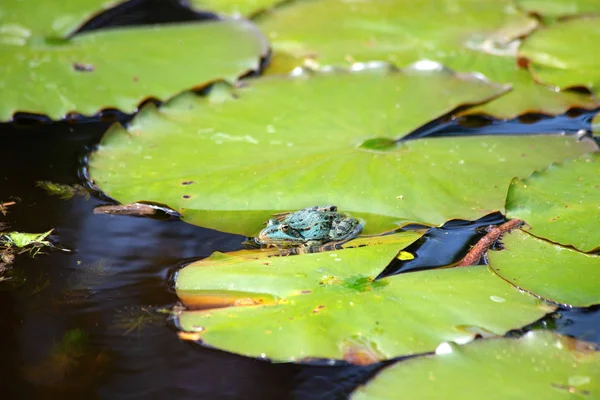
(288,230)
(285,228)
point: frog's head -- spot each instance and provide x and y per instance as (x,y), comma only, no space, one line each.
(279,233)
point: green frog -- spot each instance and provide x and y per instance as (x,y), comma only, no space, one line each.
(313,226)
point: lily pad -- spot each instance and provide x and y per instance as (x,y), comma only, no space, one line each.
(400,32)
(245,8)
(556,60)
(45,72)
(559,8)
(327,306)
(529,97)
(540,365)
(234,157)
(561,203)
(548,270)
(475,36)
(23,19)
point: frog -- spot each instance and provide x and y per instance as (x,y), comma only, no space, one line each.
(308,227)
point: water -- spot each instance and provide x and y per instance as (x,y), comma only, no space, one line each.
(104,294)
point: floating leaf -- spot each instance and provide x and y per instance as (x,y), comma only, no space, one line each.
(540,365)
(246,8)
(476,36)
(548,270)
(561,203)
(21,239)
(44,73)
(38,17)
(227,162)
(326,305)
(529,97)
(555,60)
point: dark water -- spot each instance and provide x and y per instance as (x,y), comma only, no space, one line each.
(83,324)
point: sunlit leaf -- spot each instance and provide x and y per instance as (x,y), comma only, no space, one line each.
(540,365)
(326,305)
(21,239)
(228,161)
(561,203)
(42,18)
(44,73)
(475,36)
(564,54)
(528,97)
(548,270)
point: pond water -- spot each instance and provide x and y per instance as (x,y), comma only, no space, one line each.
(84,324)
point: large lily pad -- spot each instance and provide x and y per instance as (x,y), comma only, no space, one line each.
(231,159)
(564,54)
(45,73)
(561,203)
(245,8)
(541,365)
(474,35)
(326,305)
(548,270)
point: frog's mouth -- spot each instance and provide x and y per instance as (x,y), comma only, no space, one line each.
(264,239)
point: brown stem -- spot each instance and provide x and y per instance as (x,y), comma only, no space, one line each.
(494,233)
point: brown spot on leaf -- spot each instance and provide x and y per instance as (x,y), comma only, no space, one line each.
(318,308)
(305,291)
(135,78)
(358,352)
(522,62)
(186,196)
(247,302)
(187,182)
(80,67)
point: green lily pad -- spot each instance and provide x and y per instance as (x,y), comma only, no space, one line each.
(476,36)
(540,365)
(561,203)
(326,305)
(23,19)
(227,161)
(400,32)
(529,97)
(548,270)
(564,54)
(45,73)
(245,8)
(559,8)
